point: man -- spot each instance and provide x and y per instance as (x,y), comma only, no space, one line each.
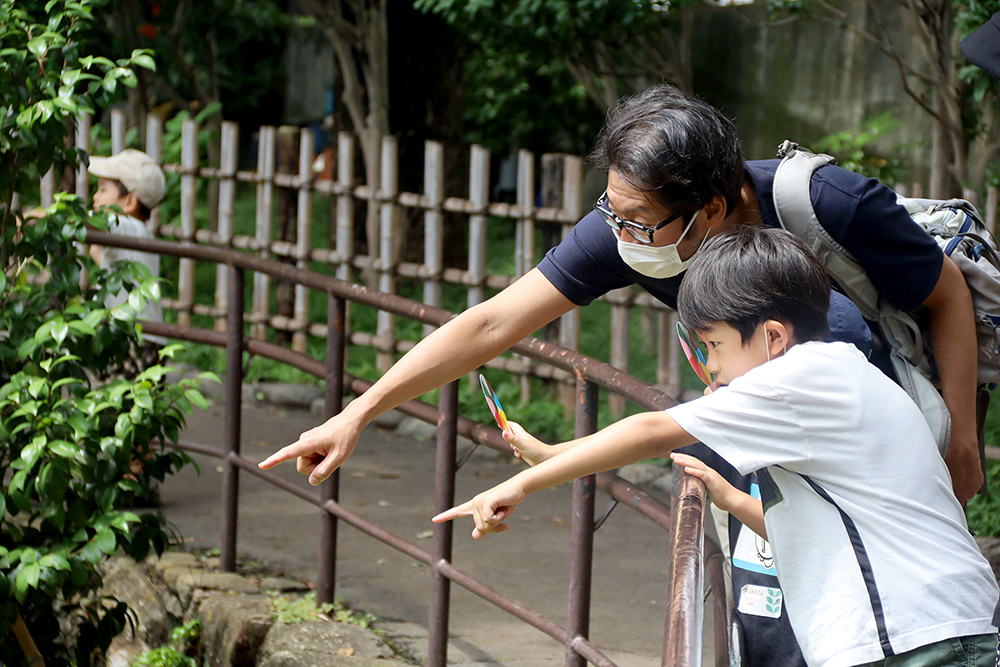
(676,177)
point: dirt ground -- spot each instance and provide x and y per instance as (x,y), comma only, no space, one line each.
(389,480)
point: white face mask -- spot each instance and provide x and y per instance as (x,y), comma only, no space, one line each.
(657,261)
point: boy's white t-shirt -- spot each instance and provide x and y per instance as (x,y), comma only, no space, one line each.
(126,225)
(869,542)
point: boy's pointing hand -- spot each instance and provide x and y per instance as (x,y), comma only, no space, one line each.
(489,509)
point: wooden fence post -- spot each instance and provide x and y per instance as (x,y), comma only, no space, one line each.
(345,222)
(189,190)
(668,370)
(620,331)
(227,196)
(303,238)
(154,149)
(345,204)
(524,252)
(261,306)
(83,144)
(288,151)
(569,327)
(433,225)
(117,131)
(387,261)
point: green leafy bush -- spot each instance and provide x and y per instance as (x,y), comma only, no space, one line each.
(74,449)
(183,640)
(854,149)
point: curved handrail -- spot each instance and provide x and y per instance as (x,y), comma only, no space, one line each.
(682,643)
(618,488)
(602,374)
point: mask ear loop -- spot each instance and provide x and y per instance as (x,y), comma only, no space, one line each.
(767,346)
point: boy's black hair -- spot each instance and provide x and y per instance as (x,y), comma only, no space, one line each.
(144,211)
(678,149)
(749,275)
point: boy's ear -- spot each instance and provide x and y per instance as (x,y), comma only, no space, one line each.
(130,204)
(779,337)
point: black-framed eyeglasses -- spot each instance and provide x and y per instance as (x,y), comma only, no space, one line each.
(640,233)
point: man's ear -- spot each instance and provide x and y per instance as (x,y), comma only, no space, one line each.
(130,204)
(779,337)
(715,211)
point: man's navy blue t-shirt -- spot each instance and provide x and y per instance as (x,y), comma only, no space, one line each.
(861,214)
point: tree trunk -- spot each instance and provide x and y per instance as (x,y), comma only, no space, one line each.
(940,153)
(361,49)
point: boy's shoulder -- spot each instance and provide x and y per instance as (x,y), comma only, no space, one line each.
(127,225)
(819,373)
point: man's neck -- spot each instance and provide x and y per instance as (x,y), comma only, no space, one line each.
(747,211)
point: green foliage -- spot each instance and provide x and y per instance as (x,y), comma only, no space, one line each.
(543,416)
(297,610)
(182,640)
(854,149)
(983,511)
(74,450)
(45,79)
(190,69)
(532,62)
(968,17)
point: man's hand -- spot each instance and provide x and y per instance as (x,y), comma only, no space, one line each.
(963,464)
(321,450)
(489,509)
(525,445)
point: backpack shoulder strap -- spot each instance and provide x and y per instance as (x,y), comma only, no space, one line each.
(793,204)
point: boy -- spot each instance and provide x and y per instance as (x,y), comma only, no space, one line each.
(134,182)
(869,540)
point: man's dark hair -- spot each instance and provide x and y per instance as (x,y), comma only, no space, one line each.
(675,147)
(144,211)
(749,275)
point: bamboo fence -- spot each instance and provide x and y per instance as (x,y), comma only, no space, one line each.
(278,179)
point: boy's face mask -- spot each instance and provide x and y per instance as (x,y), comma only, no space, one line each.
(657,261)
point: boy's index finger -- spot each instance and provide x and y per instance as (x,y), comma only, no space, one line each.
(465,509)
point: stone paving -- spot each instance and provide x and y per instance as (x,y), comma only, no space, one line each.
(389,480)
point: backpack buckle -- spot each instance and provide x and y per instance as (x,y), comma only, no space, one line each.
(786,147)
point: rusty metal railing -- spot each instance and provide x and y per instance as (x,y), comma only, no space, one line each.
(683,632)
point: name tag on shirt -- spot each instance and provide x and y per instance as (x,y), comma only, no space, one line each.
(760,601)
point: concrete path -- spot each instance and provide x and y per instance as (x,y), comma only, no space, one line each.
(389,480)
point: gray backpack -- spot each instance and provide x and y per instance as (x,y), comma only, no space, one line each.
(956,226)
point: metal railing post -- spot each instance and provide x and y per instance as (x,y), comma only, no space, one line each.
(682,638)
(581,529)
(330,489)
(444,498)
(231,436)
(714,564)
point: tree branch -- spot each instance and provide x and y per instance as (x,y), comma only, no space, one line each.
(333,20)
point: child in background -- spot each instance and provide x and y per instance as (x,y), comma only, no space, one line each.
(871,545)
(134,182)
